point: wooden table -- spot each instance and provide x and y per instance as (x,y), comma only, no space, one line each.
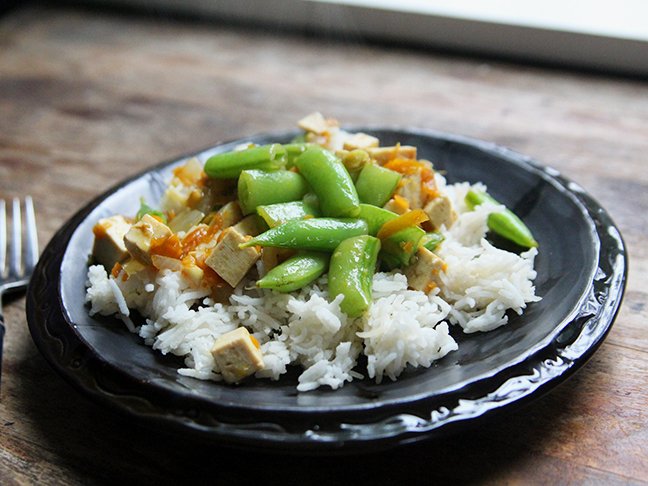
(88,98)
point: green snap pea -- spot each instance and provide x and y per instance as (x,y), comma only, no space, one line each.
(351,271)
(503,223)
(375,217)
(294,150)
(397,249)
(317,234)
(296,272)
(230,164)
(260,188)
(432,240)
(276,214)
(376,184)
(146,209)
(330,181)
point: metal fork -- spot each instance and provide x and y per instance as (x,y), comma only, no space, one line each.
(23,254)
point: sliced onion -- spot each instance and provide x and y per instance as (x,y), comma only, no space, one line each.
(185,220)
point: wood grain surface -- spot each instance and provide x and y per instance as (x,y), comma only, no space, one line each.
(88,98)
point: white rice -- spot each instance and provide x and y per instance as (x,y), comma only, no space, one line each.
(402,327)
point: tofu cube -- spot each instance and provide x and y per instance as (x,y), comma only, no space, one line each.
(142,235)
(382,155)
(236,355)
(424,273)
(441,212)
(410,189)
(109,247)
(360,141)
(229,215)
(229,261)
(250,225)
(316,123)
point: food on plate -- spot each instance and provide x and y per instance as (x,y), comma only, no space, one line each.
(311,254)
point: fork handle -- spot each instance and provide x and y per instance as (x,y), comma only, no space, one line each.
(2,331)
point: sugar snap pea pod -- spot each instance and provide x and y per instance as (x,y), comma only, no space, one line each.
(294,150)
(260,188)
(376,184)
(503,223)
(398,248)
(230,164)
(317,234)
(330,181)
(351,271)
(375,217)
(276,214)
(296,272)
(432,240)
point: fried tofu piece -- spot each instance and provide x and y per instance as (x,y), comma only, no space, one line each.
(142,236)
(410,189)
(316,123)
(237,355)
(441,212)
(229,261)
(423,273)
(229,214)
(250,225)
(360,141)
(109,247)
(382,155)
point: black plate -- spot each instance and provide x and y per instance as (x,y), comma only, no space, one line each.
(581,278)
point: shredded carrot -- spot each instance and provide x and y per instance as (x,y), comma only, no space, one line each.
(201,234)
(430,287)
(169,247)
(116,269)
(407,246)
(430,192)
(412,218)
(406,166)
(401,203)
(255,342)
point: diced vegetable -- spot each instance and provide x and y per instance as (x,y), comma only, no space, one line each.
(376,185)
(230,164)
(351,271)
(296,272)
(259,188)
(276,214)
(504,223)
(317,234)
(331,182)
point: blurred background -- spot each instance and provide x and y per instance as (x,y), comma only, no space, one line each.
(601,34)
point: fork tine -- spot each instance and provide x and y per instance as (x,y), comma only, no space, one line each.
(15,255)
(31,235)
(3,236)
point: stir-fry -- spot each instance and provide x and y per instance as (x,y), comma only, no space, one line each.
(329,214)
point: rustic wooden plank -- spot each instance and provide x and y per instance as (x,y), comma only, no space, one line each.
(88,99)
